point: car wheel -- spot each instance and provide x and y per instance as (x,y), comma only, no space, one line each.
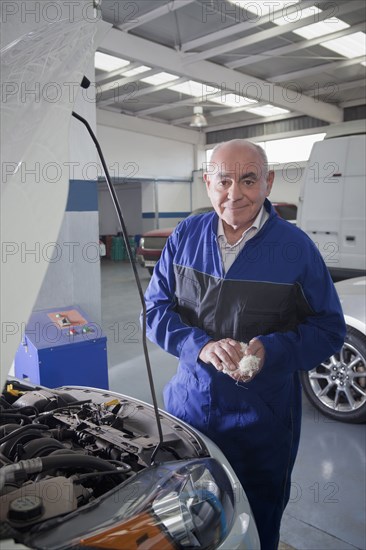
(150,270)
(337,387)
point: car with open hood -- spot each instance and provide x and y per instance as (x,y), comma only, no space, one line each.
(82,467)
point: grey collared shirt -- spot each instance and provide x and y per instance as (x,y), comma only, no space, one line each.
(229,252)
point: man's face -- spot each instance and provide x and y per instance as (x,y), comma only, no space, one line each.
(237,184)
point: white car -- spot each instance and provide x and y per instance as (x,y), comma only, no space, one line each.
(337,387)
(83,467)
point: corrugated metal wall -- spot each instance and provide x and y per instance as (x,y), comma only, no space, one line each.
(287,125)
(266,128)
(357,112)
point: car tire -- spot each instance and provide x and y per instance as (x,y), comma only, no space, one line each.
(337,387)
(150,270)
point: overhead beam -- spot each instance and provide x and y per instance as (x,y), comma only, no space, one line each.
(259,120)
(120,82)
(325,67)
(233,110)
(132,95)
(275,31)
(125,112)
(143,126)
(172,61)
(239,27)
(105,78)
(189,101)
(335,88)
(295,47)
(167,107)
(154,14)
(220,112)
(353,103)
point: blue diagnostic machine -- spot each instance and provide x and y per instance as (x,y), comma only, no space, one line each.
(62,347)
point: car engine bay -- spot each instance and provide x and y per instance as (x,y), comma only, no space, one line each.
(62,450)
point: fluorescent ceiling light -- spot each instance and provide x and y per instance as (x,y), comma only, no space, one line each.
(108,63)
(137,70)
(352,45)
(195,89)
(233,100)
(267,110)
(160,78)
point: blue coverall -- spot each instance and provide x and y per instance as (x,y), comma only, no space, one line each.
(279,290)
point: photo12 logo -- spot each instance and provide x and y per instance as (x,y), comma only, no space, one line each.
(48,11)
(52,252)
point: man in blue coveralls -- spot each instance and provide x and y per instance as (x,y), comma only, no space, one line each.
(243,274)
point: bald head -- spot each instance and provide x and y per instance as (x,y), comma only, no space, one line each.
(241,147)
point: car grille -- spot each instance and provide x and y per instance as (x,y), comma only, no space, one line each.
(154,243)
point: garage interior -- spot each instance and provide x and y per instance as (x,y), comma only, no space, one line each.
(170,80)
(256,76)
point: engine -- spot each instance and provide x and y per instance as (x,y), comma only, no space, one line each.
(62,449)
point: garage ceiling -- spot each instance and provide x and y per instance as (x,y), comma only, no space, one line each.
(244,62)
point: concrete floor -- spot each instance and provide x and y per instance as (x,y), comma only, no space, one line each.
(327,507)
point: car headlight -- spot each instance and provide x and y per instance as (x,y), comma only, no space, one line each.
(192,509)
(183,504)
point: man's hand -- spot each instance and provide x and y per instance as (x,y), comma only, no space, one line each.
(226,354)
(223,353)
(256,348)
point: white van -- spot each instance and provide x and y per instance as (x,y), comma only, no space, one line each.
(332,200)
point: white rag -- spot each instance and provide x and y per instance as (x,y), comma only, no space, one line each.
(248,365)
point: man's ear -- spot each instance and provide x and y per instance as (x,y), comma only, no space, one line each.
(206,179)
(270,179)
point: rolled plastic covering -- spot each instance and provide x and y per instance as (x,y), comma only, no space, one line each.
(42,66)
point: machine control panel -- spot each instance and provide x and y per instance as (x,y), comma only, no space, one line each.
(71,320)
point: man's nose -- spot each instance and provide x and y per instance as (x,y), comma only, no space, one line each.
(235,191)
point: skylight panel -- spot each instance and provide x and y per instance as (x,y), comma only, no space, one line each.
(314,30)
(267,110)
(233,100)
(137,70)
(108,63)
(352,45)
(160,78)
(322,28)
(195,89)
